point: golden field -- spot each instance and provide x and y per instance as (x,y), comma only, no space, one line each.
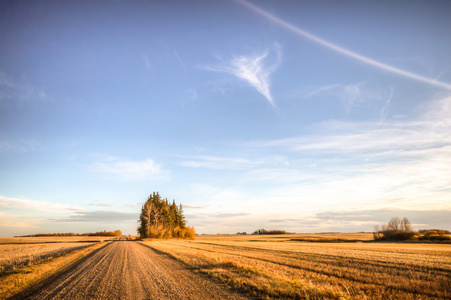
(289,266)
(19,252)
(13,257)
(54,239)
(24,261)
(277,267)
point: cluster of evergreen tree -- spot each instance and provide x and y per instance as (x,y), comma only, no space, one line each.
(159,219)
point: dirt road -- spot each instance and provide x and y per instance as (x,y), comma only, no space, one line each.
(129,270)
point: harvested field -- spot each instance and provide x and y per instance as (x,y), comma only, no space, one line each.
(361,236)
(65,239)
(271,266)
(13,282)
(231,266)
(16,256)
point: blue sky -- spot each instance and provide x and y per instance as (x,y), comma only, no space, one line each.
(295,115)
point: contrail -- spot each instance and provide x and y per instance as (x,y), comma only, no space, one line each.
(342,50)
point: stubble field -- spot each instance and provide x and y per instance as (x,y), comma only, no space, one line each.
(15,257)
(277,267)
(307,266)
(25,261)
(16,253)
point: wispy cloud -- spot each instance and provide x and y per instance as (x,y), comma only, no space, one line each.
(19,146)
(147,63)
(180,61)
(221,163)
(131,205)
(99,216)
(98,203)
(422,218)
(31,206)
(14,91)
(254,70)
(402,163)
(232,163)
(432,130)
(195,206)
(351,95)
(302,33)
(336,176)
(386,107)
(130,170)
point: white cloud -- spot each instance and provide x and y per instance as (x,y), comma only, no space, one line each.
(20,216)
(130,170)
(253,70)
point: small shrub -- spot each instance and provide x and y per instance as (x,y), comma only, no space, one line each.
(435,235)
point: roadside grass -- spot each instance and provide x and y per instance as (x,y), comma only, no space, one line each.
(14,257)
(54,239)
(17,280)
(309,270)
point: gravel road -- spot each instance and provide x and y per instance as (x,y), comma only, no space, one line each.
(129,270)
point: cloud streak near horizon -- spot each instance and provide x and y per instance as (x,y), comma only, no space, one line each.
(342,50)
(344,165)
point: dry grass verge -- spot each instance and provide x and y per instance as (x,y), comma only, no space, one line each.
(15,257)
(53,240)
(19,280)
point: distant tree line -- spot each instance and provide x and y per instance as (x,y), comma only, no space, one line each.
(264,231)
(401,229)
(100,233)
(159,219)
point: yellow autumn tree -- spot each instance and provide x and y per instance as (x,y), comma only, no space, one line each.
(159,219)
